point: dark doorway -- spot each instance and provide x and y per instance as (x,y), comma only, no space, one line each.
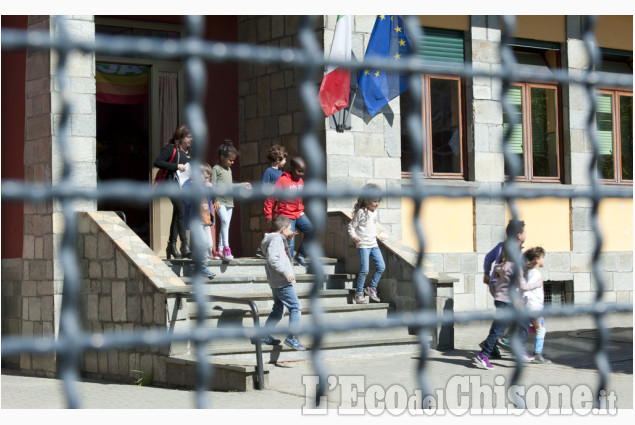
(123,141)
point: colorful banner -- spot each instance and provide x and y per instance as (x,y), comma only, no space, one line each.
(122,84)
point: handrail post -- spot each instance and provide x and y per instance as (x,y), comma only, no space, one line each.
(257,342)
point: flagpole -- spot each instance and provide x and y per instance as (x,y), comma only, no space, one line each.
(339,127)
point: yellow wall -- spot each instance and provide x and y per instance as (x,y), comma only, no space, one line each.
(547,222)
(458,22)
(615,217)
(615,32)
(448,224)
(544,27)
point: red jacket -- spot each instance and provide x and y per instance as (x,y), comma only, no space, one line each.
(292,208)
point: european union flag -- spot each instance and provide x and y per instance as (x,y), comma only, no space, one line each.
(388,40)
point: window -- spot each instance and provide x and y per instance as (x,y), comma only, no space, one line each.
(443,116)
(614,121)
(535,138)
(614,118)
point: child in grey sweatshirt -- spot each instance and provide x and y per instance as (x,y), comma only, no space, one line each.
(281,277)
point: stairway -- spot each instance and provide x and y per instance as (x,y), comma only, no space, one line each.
(246,278)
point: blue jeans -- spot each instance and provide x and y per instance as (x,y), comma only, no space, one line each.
(364,255)
(284,297)
(498,329)
(303,224)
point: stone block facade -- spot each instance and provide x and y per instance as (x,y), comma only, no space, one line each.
(123,290)
(270,111)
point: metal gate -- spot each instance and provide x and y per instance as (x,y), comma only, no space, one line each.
(309,57)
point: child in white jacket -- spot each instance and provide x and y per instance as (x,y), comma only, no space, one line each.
(363,231)
(534,299)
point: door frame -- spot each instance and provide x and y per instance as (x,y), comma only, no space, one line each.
(160,208)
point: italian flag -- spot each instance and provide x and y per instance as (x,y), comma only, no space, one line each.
(336,83)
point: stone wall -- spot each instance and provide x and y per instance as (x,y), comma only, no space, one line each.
(270,111)
(39,294)
(123,287)
(370,152)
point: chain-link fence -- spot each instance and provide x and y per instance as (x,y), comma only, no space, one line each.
(195,51)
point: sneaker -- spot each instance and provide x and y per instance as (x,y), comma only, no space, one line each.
(217,255)
(526,358)
(206,273)
(294,343)
(299,258)
(259,253)
(481,360)
(269,340)
(540,358)
(504,343)
(359,298)
(495,354)
(372,294)
(227,254)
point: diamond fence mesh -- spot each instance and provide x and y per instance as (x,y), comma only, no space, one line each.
(195,51)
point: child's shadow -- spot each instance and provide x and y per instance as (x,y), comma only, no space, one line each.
(461,358)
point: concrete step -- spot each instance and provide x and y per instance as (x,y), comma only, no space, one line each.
(227,374)
(243,266)
(251,283)
(264,299)
(240,315)
(333,345)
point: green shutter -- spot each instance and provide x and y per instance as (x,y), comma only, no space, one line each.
(515,97)
(604,118)
(442,46)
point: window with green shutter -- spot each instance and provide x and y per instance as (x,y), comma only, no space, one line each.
(443,104)
(614,121)
(535,138)
(614,124)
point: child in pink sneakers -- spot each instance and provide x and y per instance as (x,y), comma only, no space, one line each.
(224,204)
(505,271)
(363,231)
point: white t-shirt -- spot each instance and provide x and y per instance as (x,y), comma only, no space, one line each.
(534,299)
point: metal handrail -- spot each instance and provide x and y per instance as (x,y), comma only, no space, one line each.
(256,318)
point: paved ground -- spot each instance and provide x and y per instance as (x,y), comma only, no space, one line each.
(371,382)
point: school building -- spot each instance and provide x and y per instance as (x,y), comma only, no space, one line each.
(125,107)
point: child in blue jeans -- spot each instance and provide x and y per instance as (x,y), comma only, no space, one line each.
(202,228)
(535,300)
(363,231)
(281,278)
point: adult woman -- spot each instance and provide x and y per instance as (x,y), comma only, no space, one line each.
(173,157)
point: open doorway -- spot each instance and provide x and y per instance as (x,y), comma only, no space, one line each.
(123,136)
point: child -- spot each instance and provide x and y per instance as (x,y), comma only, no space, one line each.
(280,276)
(502,300)
(489,278)
(363,231)
(277,156)
(535,299)
(291,208)
(224,204)
(203,227)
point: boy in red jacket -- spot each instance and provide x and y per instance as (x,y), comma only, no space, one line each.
(291,208)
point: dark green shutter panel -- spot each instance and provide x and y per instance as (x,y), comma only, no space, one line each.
(515,97)
(442,46)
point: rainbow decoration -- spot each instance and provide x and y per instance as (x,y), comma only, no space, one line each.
(122,84)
